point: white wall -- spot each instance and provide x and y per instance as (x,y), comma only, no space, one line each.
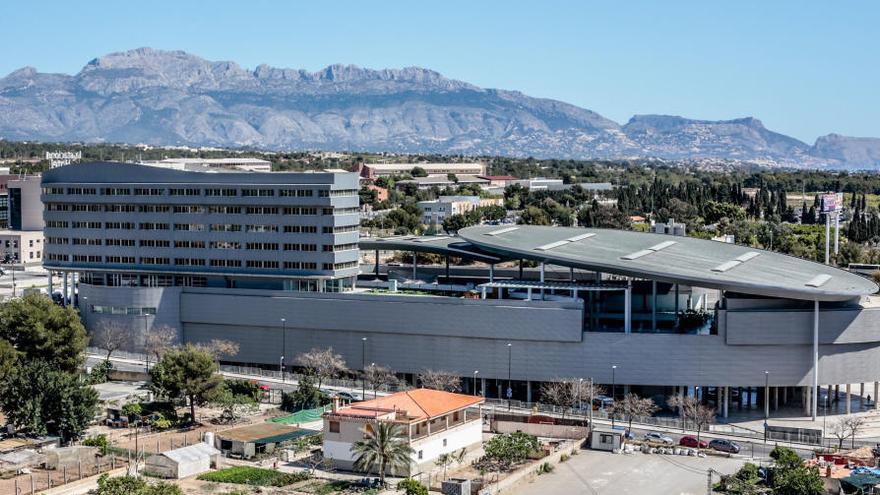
(457,438)
(338,451)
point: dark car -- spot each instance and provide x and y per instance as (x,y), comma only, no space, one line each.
(689,441)
(724,446)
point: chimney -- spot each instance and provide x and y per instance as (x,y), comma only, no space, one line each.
(335,404)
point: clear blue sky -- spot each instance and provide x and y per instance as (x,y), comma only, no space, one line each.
(804,68)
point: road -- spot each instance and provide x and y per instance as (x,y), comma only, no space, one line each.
(592,472)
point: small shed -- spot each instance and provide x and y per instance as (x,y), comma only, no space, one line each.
(608,440)
(183,462)
(248,441)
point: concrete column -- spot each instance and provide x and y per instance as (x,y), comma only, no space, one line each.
(653,305)
(767,401)
(491,272)
(64,299)
(808,401)
(51,288)
(483,387)
(627,308)
(571,274)
(726,400)
(848,398)
(861,392)
(814,409)
(528,391)
(414,265)
(775,398)
(785,396)
(542,280)
(377,263)
(876,391)
(836,392)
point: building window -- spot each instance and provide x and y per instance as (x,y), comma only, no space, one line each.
(420,454)
(444,442)
(333,427)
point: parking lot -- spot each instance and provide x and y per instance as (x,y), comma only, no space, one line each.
(593,472)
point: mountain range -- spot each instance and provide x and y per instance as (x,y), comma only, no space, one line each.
(175,98)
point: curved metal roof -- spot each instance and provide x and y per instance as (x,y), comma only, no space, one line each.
(685,260)
(439,244)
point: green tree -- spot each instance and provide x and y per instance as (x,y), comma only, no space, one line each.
(410,486)
(454,223)
(8,358)
(306,396)
(418,172)
(384,447)
(40,329)
(39,399)
(190,373)
(508,449)
(129,485)
(801,480)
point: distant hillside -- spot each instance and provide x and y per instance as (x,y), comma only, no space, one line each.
(170,98)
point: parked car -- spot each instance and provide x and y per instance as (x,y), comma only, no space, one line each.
(689,441)
(653,436)
(724,446)
(603,401)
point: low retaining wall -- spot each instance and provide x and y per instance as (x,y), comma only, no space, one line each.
(528,472)
(541,430)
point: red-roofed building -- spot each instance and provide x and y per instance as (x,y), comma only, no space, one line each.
(435,423)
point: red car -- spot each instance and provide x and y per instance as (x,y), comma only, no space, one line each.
(689,441)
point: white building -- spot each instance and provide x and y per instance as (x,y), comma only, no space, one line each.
(376,170)
(434,422)
(434,212)
(183,462)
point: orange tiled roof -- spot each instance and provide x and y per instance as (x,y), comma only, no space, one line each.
(418,405)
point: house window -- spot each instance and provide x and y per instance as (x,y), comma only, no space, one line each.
(444,442)
(334,427)
(420,454)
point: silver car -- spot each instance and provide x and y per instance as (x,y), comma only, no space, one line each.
(658,438)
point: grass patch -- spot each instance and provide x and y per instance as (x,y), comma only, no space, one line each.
(326,487)
(246,475)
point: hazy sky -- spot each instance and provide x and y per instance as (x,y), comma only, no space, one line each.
(804,68)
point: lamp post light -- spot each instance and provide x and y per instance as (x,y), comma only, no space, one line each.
(283,346)
(580,402)
(363,368)
(613,390)
(509,384)
(475,381)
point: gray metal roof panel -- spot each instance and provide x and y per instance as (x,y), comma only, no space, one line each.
(688,260)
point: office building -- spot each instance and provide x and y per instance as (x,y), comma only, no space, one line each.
(135,236)
(435,211)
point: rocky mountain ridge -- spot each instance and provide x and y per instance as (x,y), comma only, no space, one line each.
(172,97)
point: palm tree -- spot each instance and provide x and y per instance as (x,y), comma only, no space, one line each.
(384,447)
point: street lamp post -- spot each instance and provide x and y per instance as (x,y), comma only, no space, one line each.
(509,384)
(766,402)
(591,402)
(475,381)
(283,346)
(580,402)
(373,384)
(363,368)
(613,391)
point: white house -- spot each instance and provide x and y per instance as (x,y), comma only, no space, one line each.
(434,422)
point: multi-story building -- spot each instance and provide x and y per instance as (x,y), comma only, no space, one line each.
(435,211)
(207,164)
(136,235)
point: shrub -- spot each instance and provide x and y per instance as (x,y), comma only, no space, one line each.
(99,441)
(564,457)
(410,486)
(545,468)
(246,475)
